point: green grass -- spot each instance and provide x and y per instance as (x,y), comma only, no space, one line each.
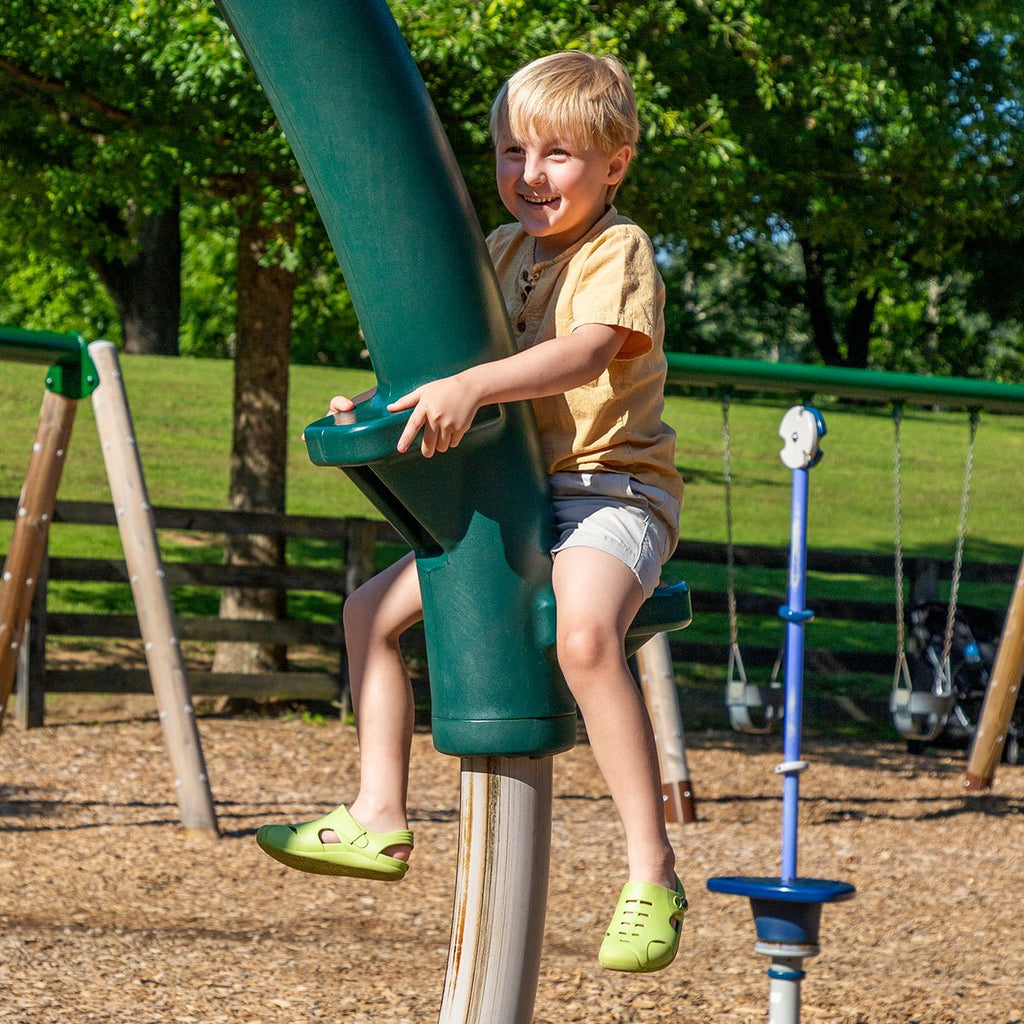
(181,410)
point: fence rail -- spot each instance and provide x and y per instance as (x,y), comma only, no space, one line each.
(357,541)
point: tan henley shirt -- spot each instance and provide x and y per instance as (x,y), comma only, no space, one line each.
(608,277)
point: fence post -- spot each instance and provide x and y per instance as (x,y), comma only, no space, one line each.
(30,697)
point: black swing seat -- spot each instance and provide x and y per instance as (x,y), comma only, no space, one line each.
(667,609)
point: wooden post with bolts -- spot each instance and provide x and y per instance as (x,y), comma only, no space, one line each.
(1000,696)
(31,527)
(150,593)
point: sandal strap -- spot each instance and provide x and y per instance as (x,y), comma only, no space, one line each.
(341,822)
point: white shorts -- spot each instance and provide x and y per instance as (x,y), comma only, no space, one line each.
(614,513)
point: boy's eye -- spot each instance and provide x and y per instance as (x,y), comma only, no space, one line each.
(558,151)
(513,150)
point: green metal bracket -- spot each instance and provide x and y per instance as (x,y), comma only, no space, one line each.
(72,373)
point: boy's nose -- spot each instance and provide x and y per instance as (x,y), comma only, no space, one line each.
(533,172)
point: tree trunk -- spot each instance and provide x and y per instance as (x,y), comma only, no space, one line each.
(259,442)
(816,298)
(858,329)
(146,290)
(857,333)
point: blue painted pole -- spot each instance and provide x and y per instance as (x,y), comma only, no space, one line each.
(787,909)
(795,615)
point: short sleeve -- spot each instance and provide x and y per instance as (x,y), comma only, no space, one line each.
(618,284)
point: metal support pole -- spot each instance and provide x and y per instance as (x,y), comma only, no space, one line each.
(787,909)
(658,683)
(500,891)
(795,615)
(150,593)
(785,975)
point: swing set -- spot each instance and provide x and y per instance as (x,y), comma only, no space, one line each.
(923,696)
(919,710)
(78,371)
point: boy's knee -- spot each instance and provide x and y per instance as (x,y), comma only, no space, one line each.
(359,608)
(584,646)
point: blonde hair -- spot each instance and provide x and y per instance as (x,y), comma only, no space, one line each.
(586,99)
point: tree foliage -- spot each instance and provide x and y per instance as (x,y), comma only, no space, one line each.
(836,181)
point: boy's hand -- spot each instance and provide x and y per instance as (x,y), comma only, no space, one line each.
(339,403)
(443,409)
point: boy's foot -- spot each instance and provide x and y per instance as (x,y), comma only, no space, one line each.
(336,844)
(644,933)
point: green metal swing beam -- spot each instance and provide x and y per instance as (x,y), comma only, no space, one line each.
(72,374)
(844,382)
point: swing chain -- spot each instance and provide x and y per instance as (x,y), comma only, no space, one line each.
(901,677)
(961,533)
(897,516)
(916,715)
(730,558)
(743,697)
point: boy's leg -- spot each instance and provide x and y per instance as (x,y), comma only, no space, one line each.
(597,597)
(375,616)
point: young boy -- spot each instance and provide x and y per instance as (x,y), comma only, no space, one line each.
(586,301)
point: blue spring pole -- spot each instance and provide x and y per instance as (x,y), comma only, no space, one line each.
(787,909)
(801,429)
(795,615)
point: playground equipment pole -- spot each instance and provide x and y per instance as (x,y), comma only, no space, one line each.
(425,293)
(499,894)
(658,683)
(787,909)
(796,616)
(843,382)
(149,591)
(349,96)
(1000,695)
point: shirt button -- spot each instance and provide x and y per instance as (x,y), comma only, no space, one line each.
(521,326)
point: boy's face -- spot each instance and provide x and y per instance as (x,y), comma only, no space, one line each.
(557,190)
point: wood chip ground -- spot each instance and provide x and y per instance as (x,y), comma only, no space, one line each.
(109,912)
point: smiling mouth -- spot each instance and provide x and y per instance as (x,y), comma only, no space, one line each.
(538,200)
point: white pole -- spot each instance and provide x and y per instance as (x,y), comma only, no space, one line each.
(658,683)
(150,593)
(501,891)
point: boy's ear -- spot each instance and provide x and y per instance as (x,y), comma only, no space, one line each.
(617,165)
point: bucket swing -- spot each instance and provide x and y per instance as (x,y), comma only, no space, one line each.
(919,715)
(752,708)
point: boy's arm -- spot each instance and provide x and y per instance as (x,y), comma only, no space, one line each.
(444,409)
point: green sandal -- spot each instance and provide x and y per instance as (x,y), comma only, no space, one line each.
(358,855)
(644,933)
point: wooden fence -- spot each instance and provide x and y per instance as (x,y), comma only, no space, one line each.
(356,542)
